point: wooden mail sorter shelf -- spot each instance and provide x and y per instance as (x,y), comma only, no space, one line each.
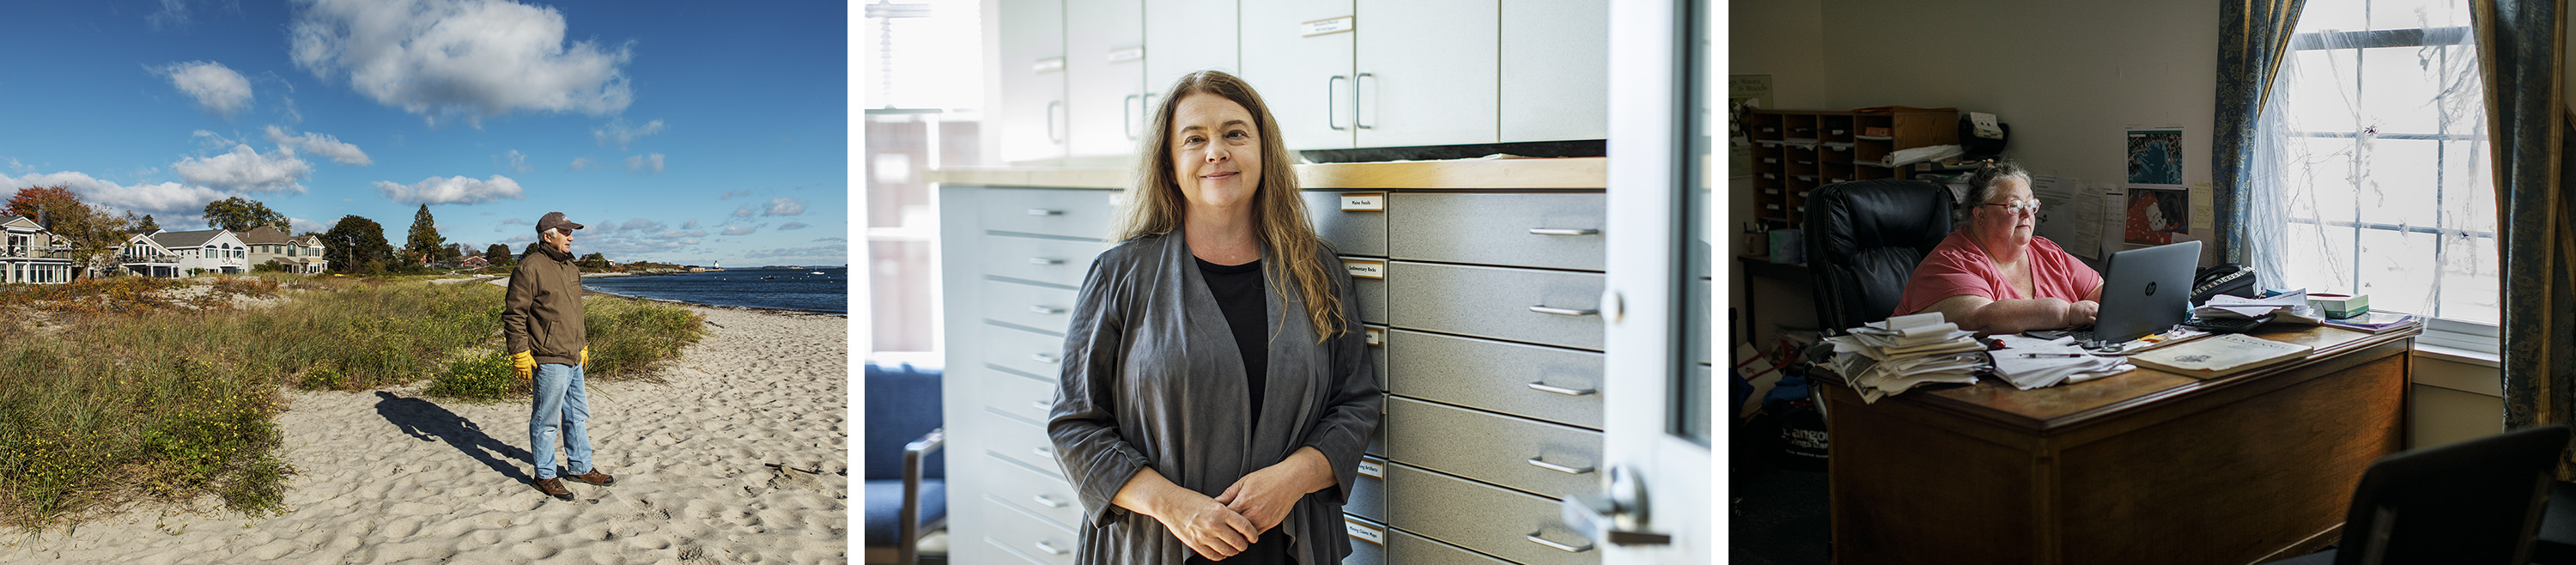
(1795,151)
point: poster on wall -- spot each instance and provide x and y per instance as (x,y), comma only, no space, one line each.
(2156,215)
(2158,206)
(2155,157)
(1744,93)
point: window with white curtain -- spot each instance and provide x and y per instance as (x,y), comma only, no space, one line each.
(2370,166)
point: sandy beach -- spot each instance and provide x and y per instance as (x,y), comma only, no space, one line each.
(739,456)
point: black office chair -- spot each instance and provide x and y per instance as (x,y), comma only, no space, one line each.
(2556,543)
(2477,501)
(1863,240)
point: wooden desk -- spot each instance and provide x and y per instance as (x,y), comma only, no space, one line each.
(2141,467)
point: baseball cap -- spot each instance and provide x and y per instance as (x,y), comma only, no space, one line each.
(553,220)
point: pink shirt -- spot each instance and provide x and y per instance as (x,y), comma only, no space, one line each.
(1958,267)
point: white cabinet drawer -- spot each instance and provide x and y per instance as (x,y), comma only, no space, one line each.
(1060,212)
(1024,351)
(1546,459)
(1367,499)
(1027,534)
(1547,383)
(1017,395)
(1377,355)
(1057,261)
(1023,442)
(1544,307)
(1042,307)
(1556,231)
(1352,232)
(1043,494)
(1372,291)
(1492,520)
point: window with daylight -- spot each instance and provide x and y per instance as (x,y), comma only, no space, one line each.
(2371,163)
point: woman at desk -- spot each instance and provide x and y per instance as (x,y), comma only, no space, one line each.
(1992,275)
(1216,390)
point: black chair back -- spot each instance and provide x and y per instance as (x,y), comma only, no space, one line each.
(2476,501)
(1863,240)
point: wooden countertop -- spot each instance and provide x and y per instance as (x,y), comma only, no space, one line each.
(1575,173)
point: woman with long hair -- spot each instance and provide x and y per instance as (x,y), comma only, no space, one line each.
(1217,391)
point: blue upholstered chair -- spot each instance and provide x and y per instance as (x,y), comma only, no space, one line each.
(906,476)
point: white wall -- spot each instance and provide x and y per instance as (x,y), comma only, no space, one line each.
(1781,39)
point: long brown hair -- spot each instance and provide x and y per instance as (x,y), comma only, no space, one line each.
(1155,204)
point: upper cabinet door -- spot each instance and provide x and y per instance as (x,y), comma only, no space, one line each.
(1105,74)
(1188,36)
(1297,53)
(1556,70)
(1032,60)
(1426,72)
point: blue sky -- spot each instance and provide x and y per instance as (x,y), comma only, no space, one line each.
(683,132)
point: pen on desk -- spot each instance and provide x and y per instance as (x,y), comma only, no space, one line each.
(2054,354)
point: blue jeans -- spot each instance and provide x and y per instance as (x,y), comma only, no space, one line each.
(562,410)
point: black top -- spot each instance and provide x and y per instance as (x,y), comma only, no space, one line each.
(1238,291)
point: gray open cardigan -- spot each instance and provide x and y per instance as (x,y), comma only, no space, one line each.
(1152,378)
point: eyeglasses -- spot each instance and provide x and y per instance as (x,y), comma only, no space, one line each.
(2018,206)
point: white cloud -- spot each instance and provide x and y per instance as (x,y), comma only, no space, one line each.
(168,202)
(452,190)
(650,164)
(218,89)
(246,170)
(744,212)
(820,251)
(677,234)
(837,239)
(521,238)
(304,225)
(731,194)
(318,144)
(784,206)
(581,164)
(465,58)
(518,162)
(792,226)
(739,230)
(689,225)
(617,131)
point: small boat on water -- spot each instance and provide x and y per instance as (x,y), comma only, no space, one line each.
(769,277)
(818,272)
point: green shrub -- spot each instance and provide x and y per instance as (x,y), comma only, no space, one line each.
(629,337)
(485,377)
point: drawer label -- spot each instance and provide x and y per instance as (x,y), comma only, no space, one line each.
(1364,202)
(1365,269)
(1128,54)
(1377,337)
(1372,469)
(1363,532)
(1320,27)
(1047,64)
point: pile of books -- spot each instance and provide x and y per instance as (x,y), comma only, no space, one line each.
(1884,358)
(2377,322)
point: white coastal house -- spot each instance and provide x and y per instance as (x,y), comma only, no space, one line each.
(302,255)
(32,254)
(171,254)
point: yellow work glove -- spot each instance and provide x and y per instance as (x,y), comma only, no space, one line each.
(585,358)
(523,364)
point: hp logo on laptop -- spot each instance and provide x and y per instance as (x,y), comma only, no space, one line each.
(2151,288)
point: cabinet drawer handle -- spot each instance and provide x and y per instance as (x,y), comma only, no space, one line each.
(1356,100)
(1127,115)
(1542,386)
(1050,121)
(1042,358)
(1043,309)
(1544,309)
(1047,452)
(1328,104)
(1564,231)
(1543,464)
(1042,405)
(1049,501)
(1045,261)
(1533,537)
(1051,549)
(1045,212)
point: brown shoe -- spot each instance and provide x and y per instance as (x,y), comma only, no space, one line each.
(596,477)
(553,488)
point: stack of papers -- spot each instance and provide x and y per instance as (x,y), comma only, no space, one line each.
(2229,306)
(2029,362)
(1884,358)
(1903,157)
(2377,322)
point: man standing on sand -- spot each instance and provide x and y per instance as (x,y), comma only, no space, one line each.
(542,324)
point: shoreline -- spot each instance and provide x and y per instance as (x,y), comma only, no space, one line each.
(503,280)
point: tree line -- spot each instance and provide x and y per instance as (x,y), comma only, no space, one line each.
(353,245)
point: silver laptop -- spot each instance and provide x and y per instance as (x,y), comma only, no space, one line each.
(2146,291)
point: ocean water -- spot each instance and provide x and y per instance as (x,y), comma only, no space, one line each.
(791,289)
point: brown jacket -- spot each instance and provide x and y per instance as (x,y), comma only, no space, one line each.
(542,311)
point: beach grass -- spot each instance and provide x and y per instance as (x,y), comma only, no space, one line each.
(121,394)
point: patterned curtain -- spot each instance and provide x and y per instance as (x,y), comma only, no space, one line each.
(2520,42)
(2253,37)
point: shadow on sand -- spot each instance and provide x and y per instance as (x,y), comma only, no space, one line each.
(429,421)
